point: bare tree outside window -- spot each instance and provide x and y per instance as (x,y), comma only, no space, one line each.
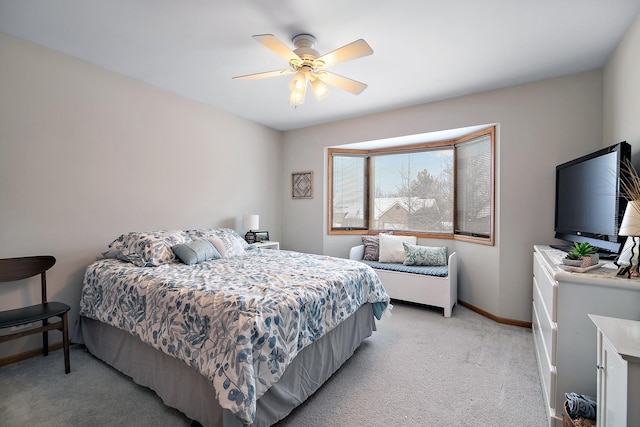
(422,196)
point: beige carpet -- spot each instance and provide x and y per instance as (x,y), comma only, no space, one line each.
(418,369)
(421,369)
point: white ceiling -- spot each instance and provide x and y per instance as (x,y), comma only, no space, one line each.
(424,50)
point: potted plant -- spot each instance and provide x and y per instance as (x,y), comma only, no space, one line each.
(582,255)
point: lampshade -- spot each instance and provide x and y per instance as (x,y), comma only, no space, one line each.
(250,222)
(631,221)
(320,89)
(299,81)
(298,87)
(296,98)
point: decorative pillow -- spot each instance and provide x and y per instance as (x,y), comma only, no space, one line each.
(228,246)
(115,254)
(196,251)
(424,255)
(371,248)
(119,249)
(391,249)
(148,248)
(225,234)
(115,247)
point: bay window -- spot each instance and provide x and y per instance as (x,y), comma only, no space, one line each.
(443,189)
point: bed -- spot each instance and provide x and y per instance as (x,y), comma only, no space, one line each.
(240,336)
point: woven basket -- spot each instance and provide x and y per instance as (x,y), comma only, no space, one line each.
(566,419)
(578,422)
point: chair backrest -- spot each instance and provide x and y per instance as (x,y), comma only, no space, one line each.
(13,269)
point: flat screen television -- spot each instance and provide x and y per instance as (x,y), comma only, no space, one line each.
(589,203)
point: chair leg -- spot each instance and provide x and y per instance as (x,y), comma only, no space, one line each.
(45,339)
(65,343)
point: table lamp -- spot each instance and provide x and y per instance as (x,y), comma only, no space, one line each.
(250,222)
(631,227)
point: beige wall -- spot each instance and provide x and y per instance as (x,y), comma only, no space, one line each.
(539,126)
(86,155)
(622,93)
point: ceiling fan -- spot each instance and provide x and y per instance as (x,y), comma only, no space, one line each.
(309,67)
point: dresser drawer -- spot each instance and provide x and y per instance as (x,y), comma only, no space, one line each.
(547,286)
(546,370)
(547,328)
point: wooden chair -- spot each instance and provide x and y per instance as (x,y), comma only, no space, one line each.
(13,269)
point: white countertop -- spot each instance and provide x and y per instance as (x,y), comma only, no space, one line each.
(603,276)
(623,334)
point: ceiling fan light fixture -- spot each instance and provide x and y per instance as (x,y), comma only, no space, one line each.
(298,82)
(320,88)
(298,87)
(309,68)
(296,97)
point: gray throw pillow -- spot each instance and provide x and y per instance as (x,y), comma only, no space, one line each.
(196,251)
(371,248)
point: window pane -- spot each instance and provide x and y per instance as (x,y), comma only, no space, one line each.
(474,187)
(413,191)
(349,192)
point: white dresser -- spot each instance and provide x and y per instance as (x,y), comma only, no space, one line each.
(564,336)
(618,371)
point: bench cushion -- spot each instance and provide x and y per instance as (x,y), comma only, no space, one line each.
(438,271)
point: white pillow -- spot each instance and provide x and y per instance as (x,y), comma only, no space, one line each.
(228,246)
(391,248)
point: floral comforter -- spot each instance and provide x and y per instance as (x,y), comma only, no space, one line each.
(238,321)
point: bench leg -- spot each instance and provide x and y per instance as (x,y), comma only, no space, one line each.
(447,311)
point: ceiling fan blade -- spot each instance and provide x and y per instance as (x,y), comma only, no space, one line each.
(271,42)
(264,75)
(357,49)
(344,83)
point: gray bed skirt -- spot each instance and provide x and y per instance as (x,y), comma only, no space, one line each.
(184,388)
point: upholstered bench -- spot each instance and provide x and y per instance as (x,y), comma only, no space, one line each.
(430,285)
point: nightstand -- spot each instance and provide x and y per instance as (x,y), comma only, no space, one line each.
(266,245)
